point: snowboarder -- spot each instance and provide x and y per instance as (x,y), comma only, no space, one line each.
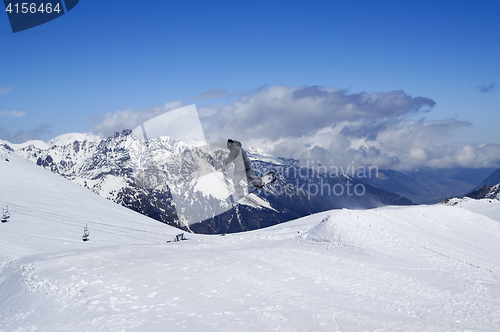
(242,166)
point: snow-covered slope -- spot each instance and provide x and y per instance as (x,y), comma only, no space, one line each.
(487,207)
(48,214)
(418,268)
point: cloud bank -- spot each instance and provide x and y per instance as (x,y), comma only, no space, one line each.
(334,127)
(330,126)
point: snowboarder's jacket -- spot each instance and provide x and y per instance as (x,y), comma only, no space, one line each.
(238,156)
(235,151)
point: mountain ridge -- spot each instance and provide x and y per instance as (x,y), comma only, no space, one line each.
(115,168)
(427,186)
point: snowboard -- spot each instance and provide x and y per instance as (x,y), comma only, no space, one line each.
(266,180)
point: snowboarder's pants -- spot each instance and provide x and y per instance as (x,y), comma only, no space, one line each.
(249,174)
(253,179)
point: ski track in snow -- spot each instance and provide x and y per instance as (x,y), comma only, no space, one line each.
(419,268)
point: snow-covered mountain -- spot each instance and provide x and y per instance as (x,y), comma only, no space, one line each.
(109,167)
(491,192)
(416,268)
(489,188)
(163,178)
(494,192)
(492,179)
(427,186)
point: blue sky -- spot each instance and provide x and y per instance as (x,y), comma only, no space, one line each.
(108,56)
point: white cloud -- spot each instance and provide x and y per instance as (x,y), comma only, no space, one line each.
(12,114)
(480,155)
(129,119)
(400,144)
(330,126)
(335,127)
(5,90)
(281,111)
